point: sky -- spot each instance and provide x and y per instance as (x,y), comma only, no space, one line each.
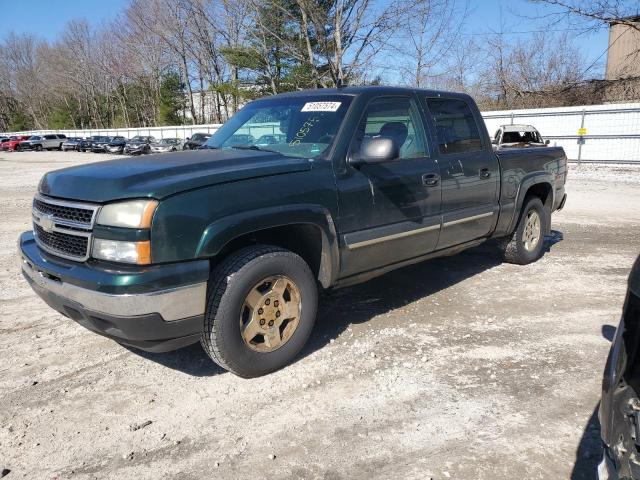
(47,19)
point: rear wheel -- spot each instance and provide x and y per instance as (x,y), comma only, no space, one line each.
(38,148)
(526,243)
(261,308)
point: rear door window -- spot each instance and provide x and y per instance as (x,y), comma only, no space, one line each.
(456,127)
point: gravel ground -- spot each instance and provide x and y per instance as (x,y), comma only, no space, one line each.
(461,367)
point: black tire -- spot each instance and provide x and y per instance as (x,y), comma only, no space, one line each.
(513,247)
(38,148)
(229,285)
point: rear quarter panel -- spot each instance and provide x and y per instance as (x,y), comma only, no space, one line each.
(522,168)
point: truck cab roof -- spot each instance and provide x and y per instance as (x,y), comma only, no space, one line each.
(371,89)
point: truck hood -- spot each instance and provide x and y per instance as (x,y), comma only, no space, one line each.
(158,176)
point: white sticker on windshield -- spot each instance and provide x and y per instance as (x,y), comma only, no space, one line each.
(321,106)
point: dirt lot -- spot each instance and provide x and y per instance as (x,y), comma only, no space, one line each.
(460,368)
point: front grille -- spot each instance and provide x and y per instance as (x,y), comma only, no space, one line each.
(62,212)
(63,228)
(62,243)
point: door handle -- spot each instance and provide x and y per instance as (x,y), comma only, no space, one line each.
(485,173)
(430,179)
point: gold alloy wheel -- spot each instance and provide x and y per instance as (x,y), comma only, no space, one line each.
(270,314)
(532,230)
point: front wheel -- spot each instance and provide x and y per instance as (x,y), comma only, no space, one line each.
(261,308)
(526,244)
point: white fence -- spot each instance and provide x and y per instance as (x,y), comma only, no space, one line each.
(595,133)
(180,131)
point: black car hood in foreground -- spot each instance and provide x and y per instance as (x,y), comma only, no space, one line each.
(158,176)
(620,405)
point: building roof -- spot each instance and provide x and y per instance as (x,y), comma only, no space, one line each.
(632,18)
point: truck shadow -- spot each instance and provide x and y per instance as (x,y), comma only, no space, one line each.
(358,304)
(191,360)
(589,452)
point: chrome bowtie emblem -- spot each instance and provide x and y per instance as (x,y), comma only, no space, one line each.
(47,223)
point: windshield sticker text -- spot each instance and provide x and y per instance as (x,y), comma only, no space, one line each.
(321,107)
(304,131)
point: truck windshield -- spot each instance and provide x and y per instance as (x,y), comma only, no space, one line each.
(301,127)
(521,137)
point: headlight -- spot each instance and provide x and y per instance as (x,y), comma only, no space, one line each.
(131,214)
(117,251)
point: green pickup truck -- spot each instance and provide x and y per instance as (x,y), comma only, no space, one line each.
(229,244)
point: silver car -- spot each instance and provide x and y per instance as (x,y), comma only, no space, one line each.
(166,145)
(50,141)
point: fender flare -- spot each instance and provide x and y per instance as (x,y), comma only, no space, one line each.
(224,230)
(528,181)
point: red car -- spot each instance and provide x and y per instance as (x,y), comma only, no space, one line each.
(12,143)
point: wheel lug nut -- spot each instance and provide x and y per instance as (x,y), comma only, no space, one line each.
(260,311)
(278,314)
(276,303)
(271,323)
(267,301)
(262,321)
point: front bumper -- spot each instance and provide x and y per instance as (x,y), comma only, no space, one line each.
(157,308)
(141,149)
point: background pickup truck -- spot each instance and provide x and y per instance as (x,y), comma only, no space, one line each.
(229,245)
(518,136)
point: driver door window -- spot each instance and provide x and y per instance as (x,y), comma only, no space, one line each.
(396,118)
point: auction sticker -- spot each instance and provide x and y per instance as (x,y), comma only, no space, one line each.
(321,107)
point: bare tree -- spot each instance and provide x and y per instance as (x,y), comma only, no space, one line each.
(427,36)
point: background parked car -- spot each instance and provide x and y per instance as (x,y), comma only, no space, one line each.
(241,139)
(102,145)
(72,143)
(34,142)
(517,136)
(50,141)
(165,145)
(271,139)
(88,141)
(116,145)
(13,142)
(3,139)
(53,141)
(196,140)
(139,145)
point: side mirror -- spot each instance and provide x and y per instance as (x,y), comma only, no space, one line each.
(186,139)
(547,142)
(376,150)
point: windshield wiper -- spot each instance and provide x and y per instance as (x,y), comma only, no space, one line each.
(252,147)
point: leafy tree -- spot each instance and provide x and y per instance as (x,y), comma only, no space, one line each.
(172,100)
